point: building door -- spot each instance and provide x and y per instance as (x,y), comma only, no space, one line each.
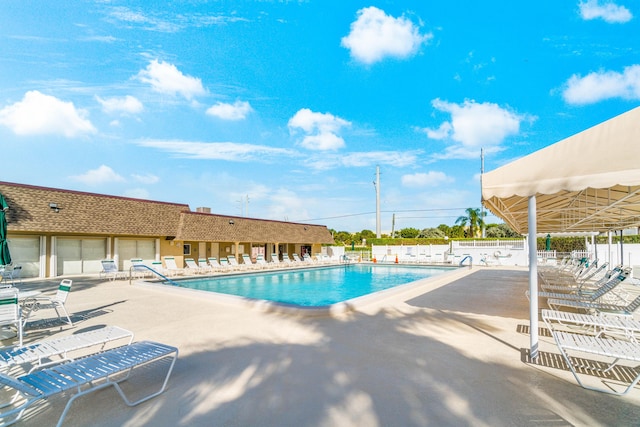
(80,256)
(25,251)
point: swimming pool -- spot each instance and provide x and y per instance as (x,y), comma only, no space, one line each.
(314,287)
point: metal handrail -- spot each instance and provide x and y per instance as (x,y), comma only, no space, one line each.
(151,270)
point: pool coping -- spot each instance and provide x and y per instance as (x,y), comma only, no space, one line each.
(338,308)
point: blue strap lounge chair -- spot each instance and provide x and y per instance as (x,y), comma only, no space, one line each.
(83,376)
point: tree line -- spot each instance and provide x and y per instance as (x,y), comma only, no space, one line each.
(466,226)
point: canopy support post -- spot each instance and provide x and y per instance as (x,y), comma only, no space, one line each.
(533,279)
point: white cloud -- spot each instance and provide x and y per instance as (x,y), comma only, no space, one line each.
(126,105)
(148,22)
(474,125)
(397,159)
(603,85)
(166,78)
(146,179)
(285,205)
(230,151)
(608,12)
(40,114)
(101,175)
(442,132)
(236,111)
(375,35)
(321,129)
(429,179)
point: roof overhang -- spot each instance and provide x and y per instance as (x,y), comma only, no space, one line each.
(587,182)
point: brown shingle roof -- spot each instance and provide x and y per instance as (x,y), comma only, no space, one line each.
(87,213)
(217,228)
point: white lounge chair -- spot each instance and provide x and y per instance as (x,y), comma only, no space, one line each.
(611,348)
(139,269)
(83,376)
(275,261)
(55,302)
(226,265)
(172,268)
(110,270)
(215,264)
(286,260)
(246,260)
(593,280)
(204,266)
(623,326)
(587,295)
(261,262)
(598,307)
(192,267)
(43,351)
(10,312)
(233,263)
(9,274)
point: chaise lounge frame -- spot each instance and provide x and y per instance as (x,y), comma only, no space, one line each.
(611,348)
(83,376)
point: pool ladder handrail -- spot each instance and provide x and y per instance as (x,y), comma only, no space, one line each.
(151,270)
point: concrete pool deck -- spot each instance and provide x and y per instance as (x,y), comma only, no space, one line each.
(449,352)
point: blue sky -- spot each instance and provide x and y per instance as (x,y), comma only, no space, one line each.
(283,109)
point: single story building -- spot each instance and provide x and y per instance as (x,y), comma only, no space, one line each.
(54,232)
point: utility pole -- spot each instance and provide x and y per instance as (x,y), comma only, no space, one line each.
(393,226)
(484,232)
(377,185)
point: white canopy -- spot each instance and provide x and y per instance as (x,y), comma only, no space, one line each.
(587,182)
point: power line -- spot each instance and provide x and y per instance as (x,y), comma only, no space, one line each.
(390,211)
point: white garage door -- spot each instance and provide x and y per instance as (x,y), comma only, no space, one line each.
(80,256)
(25,251)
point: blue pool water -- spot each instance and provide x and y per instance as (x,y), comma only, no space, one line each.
(315,287)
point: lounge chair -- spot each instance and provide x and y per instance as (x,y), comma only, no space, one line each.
(139,269)
(246,260)
(10,312)
(296,258)
(43,302)
(215,264)
(226,265)
(172,268)
(285,259)
(110,270)
(233,263)
(595,279)
(588,295)
(192,267)
(275,261)
(9,274)
(43,351)
(612,348)
(83,376)
(623,326)
(598,307)
(204,266)
(261,263)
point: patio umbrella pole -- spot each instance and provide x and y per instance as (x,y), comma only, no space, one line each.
(5,257)
(533,279)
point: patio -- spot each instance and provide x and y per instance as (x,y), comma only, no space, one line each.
(451,351)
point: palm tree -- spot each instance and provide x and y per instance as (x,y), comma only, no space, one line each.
(474,219)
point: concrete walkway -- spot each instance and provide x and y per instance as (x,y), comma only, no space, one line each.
(449,352)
